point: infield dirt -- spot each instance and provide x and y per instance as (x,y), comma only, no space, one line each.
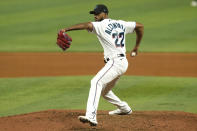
(61,64)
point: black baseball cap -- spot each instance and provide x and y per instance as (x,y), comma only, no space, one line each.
(99,9)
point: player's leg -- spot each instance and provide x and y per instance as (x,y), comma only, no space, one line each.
(109,95)
(123,107)
(105,75)
(108,73)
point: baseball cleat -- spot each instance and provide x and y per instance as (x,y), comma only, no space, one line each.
(123,110)
(120,112)
(84,119)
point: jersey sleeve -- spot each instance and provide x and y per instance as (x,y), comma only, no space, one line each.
(130,26)
(96,27)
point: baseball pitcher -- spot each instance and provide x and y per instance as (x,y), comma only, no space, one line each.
(111,35)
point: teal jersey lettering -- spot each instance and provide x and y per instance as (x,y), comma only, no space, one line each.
(113,26)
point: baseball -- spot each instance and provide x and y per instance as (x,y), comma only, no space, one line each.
(133,54)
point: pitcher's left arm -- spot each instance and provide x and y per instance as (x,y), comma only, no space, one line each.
(139,29)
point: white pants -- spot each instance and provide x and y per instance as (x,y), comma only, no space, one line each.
(103,82)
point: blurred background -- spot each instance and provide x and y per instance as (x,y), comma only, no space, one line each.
(170,26)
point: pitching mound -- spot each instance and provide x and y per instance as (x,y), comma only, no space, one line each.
(62,120)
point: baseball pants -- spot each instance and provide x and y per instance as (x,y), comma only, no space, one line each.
(102,84)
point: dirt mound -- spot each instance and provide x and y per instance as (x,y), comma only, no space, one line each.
(63,120)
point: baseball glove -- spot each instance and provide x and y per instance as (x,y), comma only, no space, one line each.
(63,40)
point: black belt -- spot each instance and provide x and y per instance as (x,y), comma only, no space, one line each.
(119,55)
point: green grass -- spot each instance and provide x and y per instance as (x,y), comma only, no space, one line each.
(170,26)
(24,95)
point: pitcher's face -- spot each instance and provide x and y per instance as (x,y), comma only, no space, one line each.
(100,17)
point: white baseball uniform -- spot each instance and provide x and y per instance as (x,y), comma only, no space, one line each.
(111,34)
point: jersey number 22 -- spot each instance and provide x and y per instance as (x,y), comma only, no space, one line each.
(119,39)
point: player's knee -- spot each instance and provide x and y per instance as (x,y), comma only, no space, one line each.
(96,82)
